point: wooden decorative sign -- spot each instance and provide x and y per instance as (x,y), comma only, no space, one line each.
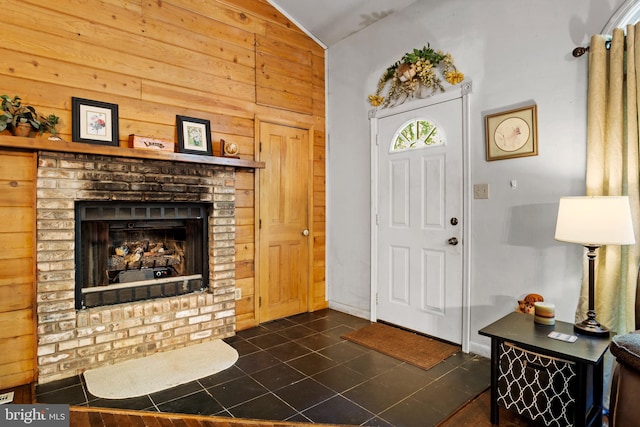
(149,143)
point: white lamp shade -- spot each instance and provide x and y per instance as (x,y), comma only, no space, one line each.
(595,220)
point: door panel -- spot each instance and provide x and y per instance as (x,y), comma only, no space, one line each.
(419,191)
(284,216)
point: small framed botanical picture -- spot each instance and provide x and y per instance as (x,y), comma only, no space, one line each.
(94,122)
(194,136)
(511,134)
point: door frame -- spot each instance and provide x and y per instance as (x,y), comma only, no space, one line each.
(462,91)
(309,128)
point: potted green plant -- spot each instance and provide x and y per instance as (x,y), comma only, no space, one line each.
(21,119)
(6,119)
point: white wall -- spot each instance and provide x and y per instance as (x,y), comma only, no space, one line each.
(514,51)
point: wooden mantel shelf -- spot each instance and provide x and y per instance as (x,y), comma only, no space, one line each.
(38,144)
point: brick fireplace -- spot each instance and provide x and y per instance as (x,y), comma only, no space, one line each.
(72,340)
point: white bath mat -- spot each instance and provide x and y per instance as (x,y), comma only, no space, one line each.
(160,371)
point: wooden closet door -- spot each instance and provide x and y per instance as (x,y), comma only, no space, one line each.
(284,221)
(17,268)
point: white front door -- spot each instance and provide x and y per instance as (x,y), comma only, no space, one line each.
(420,219)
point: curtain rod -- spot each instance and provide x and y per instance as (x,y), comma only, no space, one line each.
(580,50)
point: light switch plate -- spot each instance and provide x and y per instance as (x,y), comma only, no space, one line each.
(481,191)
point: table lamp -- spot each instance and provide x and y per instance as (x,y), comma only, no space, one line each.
(594,221)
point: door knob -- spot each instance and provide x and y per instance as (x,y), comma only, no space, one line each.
(453,241)
(305,232)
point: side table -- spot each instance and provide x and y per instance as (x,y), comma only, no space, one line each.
(543,379)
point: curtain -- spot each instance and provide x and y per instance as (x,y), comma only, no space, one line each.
(612,170)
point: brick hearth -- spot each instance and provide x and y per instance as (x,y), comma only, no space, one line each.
(71,341)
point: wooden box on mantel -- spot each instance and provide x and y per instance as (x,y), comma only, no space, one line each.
(149,143)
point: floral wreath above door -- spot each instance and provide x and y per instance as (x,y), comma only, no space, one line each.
(415,75)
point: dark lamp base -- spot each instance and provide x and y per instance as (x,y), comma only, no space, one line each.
(591,327)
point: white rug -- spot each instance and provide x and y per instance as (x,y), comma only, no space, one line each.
(160,371)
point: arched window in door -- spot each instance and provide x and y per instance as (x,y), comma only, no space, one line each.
(417,133)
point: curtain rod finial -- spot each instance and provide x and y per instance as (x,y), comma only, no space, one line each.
(579,51)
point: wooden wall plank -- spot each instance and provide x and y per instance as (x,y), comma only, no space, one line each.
(285,101)
(17,193)
(16,295)
(268,64)
(33,67)
(245,180)
(109,12)
(295,38)
(121,40)
(284,83)
(283,50)
(245,215)
(16,245)
(208,34)
(215,10)
(17,270)
(244,234)
(194,98)
(16,323)
(16,219)
(81,53)
(261,9)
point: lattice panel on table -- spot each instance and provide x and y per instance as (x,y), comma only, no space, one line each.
(538,387)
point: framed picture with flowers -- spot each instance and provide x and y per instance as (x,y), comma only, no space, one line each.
(94,122)
(194,136)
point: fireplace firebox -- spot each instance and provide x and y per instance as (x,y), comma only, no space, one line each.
(136,251)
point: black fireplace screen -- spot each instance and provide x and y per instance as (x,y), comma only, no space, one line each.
(136,251)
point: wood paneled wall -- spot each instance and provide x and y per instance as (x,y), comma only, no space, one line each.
(17,272)
(228,61)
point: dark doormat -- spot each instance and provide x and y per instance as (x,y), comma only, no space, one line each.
(410,347)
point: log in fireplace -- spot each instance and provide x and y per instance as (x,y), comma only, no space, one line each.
(132,251)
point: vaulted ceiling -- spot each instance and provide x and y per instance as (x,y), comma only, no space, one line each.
(330,21)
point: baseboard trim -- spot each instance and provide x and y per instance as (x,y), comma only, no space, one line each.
(354,311)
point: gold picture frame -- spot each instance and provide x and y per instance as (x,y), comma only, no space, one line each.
(511,134)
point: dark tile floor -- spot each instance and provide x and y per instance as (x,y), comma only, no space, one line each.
(299,369)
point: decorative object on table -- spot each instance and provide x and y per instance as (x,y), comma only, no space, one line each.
(526,304)
(194,136)
(23,120)
(94,122)
(512,133)
(414,74)
(544,313)
(151,143)
(229,149)
(594,221)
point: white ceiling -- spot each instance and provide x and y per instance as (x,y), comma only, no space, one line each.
(330,21)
